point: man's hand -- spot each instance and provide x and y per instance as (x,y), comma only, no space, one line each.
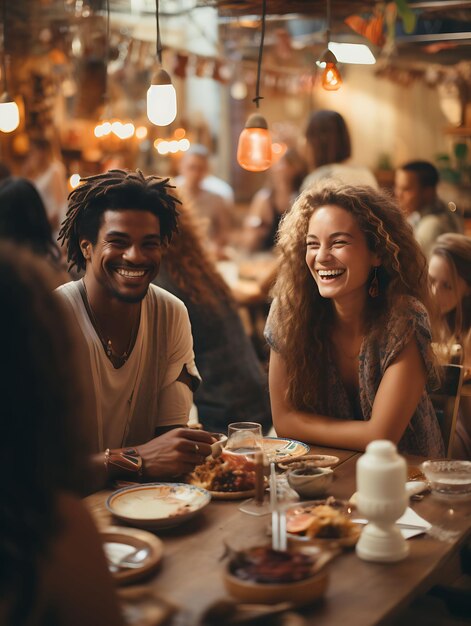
(174,453)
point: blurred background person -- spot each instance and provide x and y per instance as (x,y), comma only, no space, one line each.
(23,220)
(271,202)
(49,176)
(328,150)
(214,211)
(415,187)
(450,279)
(52,566)
(234,386)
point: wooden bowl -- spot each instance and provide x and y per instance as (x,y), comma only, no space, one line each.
(299,593)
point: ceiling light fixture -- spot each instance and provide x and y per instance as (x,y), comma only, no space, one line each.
(254,150)
(331,78)
(161,95)
(9,112)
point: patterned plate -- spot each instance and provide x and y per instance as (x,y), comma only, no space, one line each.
(278,449)
(157,505)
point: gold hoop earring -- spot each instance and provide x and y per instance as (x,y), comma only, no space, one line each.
(373,289)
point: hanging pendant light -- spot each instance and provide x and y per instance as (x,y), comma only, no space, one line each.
(161,95)
(331,77)
(9,112)
(254,151)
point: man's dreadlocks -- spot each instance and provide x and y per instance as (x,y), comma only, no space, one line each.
(115,190)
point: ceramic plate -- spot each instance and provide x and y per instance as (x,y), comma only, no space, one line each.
(278,449)
(118,542)
(301,513)
(157,505)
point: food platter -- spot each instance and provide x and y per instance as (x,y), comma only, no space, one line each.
(277,448)
(324,523)
(118,542)
(157,505)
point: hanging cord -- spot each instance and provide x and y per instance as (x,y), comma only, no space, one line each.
(107,56)
(4,33)
(158,50)
(258,97)
(328,19)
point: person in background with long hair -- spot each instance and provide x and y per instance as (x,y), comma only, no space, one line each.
(450,279)
(349,333)
(23,219)
(234,387)
(328,152)
(52,566)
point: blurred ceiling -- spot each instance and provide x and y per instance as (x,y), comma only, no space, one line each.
(442,34)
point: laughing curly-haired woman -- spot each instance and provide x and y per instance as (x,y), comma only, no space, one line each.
(349,332)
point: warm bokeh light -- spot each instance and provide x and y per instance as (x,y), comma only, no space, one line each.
(74,180)
(162,147)
(9,115)
(184,145)
(179,133)
(278,150)
(141,132)
(239,90)
(331,78)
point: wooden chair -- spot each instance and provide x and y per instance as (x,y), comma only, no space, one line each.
(446,401)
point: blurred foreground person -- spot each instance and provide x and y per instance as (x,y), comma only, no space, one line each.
(415,188)
(141,369)
(350,336)
(234,387)
(450,278)
(329,149)
(52,567)
(23,219)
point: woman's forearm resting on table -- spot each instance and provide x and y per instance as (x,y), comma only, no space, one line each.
(395,402)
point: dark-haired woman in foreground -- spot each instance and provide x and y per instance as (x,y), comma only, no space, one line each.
(52,567)
(350,337)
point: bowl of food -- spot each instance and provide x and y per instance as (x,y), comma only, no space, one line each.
(325,523)
(310,482)
(448,477)
(228,477)
(267,576)
(309,460)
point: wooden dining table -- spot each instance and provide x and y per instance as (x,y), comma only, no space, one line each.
(360,593)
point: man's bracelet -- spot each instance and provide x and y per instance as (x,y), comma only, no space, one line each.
(127,460)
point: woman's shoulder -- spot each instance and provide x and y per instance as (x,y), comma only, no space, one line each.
(407,308)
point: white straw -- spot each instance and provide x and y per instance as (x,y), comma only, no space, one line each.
(275,526)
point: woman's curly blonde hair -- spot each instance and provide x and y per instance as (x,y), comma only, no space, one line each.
(301,319)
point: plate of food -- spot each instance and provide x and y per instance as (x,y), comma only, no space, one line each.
(322,522)
(278,449)
(131,553)
(157,505)
(229,477)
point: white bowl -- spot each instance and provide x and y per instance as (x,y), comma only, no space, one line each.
(310,482)
(451,478)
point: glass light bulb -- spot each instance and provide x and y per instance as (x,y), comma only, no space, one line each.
(9,117)
(161,104)
(331,78)
(254,150)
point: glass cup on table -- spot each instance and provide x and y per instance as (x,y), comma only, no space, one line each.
(245,440)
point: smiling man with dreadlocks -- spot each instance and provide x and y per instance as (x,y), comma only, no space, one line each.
(137,336)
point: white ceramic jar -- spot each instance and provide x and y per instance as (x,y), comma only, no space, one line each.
(382,499)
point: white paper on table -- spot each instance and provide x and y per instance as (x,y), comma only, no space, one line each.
(409,517)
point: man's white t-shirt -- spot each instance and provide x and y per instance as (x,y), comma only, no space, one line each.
(144,393)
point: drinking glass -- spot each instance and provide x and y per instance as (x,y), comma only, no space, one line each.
(245,439)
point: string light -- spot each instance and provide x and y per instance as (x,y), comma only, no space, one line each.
(331,77)
(161,95)
(254,151)
(9,112)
